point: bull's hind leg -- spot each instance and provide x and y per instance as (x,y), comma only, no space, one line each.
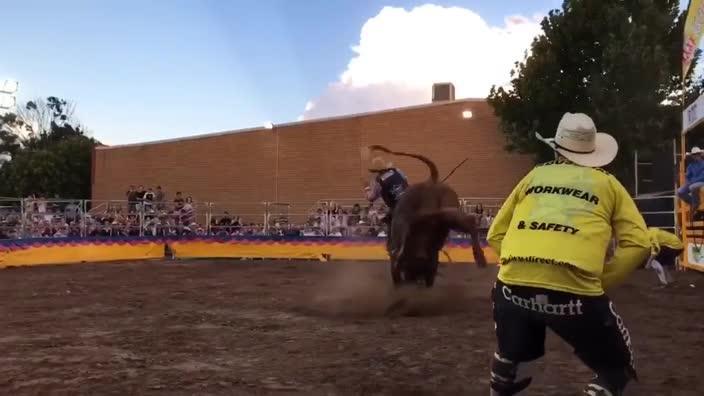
(395,272)
(461,222)
(431,273)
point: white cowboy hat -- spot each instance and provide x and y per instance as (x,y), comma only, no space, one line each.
(577,140)
(695,150)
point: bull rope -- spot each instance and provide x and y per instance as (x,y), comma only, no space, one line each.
(453,170)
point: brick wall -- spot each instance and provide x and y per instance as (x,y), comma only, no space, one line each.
(317,159)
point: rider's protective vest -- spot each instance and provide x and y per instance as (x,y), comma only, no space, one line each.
(393,184)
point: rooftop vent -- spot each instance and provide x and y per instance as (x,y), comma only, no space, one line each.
(443,92)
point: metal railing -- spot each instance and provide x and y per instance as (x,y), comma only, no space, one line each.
(36,218)
(44,218)
(658,210)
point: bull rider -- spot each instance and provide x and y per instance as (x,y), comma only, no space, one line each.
(389,184)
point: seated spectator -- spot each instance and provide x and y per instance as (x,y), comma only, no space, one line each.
(224,223)
(178,201)
(151,225)
(694,180)
(73,212)
(187,211)
(336,232)
(236,225)
(62,231)
(355,214)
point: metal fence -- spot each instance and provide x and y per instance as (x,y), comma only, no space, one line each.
(44,218)
(658,210)
(37,218)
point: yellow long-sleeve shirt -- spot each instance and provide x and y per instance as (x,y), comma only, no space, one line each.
(659,238)
(554,229)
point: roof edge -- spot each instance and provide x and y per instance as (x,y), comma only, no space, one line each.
(293,123)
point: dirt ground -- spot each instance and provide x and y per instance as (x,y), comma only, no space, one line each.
(231,327)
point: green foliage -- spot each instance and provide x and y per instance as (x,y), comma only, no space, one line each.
(618,61)
(53,161)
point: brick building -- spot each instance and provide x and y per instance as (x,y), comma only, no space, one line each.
(303,162)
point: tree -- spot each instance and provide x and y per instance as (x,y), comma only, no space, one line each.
(52,157)
(38,115)
(618,61)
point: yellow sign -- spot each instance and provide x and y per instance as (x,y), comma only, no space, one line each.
(693,29)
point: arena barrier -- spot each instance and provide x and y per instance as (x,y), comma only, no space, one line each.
(78,250)
(22,252)
(320,248)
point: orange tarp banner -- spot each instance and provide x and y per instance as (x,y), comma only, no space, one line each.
(71,250)
(362,249)
(78,250)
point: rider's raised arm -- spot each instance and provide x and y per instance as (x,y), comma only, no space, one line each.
(373,190)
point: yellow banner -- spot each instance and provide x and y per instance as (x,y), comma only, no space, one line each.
(21,253)
(693,29)
(186,249)
(85,252)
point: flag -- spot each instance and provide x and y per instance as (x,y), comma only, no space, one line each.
(693,29)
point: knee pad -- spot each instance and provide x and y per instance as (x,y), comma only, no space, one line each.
(610,382)
(597,390)
(509,378)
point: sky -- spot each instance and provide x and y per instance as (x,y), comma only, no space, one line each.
(142,71)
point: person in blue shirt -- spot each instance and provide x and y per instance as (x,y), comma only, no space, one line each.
(694,179)
(389,184)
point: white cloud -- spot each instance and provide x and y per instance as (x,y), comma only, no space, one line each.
(401,53)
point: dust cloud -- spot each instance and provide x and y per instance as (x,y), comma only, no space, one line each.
(363,290)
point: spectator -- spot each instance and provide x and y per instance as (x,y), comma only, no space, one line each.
(149,198)
(356,212)
(689,192)
(160,198)
(72,213)
(178,201)
(62,231)
(336,232)
(479,210)
(225,222)
(331,218)
(139,197)
(187,212)
(131,199)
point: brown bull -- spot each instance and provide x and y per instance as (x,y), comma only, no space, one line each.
(420,225)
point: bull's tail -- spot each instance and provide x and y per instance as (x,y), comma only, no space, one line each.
(431,165)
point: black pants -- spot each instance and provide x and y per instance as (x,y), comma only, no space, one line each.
(589,324)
